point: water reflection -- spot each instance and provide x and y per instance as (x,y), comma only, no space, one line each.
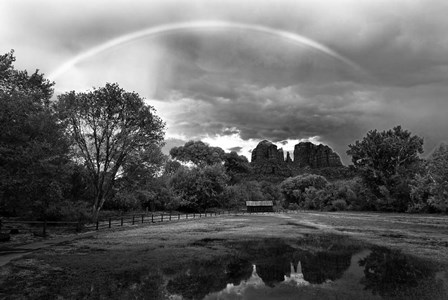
(277,270)
(203,277)
(390,273)
(295,277)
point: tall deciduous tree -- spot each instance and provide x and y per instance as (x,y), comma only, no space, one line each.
(386,161)
(109,126)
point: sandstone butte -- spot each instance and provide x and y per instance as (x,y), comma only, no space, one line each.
(267,159)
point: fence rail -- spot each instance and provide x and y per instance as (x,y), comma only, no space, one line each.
(133,219)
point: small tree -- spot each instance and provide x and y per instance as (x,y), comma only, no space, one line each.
(109,126)
(199,188)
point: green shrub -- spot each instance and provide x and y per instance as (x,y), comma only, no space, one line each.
(339,205)
(429,190)
(235,196)
(69,211)
(124,201)
(295,190)
(293,206)
(199,188)
(349,194)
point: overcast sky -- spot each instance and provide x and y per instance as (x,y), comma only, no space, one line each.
(233,73)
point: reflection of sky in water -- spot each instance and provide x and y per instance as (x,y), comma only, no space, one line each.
(294,285)
(275,270)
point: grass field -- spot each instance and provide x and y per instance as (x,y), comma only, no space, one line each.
(135,262)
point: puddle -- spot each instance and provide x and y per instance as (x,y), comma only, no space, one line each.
(310,269)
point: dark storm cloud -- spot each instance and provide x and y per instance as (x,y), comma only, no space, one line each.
(258,86)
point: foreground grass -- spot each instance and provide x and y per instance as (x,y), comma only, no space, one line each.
(109,264)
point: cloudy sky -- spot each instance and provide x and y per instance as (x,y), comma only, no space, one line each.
(232,73)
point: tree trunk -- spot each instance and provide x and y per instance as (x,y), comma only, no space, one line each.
(99,201)
(95,212)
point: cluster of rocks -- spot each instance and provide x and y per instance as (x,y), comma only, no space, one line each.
(268,159)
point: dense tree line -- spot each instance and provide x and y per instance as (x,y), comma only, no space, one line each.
(391,176)
(70,157)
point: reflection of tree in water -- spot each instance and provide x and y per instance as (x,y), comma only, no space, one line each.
(327,260)
(392,274)
(274,257)
(325,265)
(204,277)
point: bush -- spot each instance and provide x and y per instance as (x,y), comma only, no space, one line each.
(429,191)
(293,206)
(297,189)
(199,188)
(69,211)
(272,192)
(339,204)
(123,201)
(235,196)
(340,195)
(358,196)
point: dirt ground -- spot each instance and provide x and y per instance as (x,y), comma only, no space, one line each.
(81,269)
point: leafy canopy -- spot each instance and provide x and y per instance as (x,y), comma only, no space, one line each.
(199,188)
(109,127)
(382,155)
(198,153)
(387,161)
(33,147)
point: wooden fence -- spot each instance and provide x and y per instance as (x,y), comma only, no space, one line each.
(133,219)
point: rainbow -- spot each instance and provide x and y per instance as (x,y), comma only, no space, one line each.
(173,27)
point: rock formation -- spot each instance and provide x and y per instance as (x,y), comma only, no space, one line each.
(307,154)
(267,159)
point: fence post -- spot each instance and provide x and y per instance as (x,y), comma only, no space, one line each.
(194,215)
(186,216)
(205,214)
(161,218)
(110,222)
(122,221)
(133,219)
(170,216)
(143,216)
(97,224)
(178,216)
(44,232)
(200,215)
